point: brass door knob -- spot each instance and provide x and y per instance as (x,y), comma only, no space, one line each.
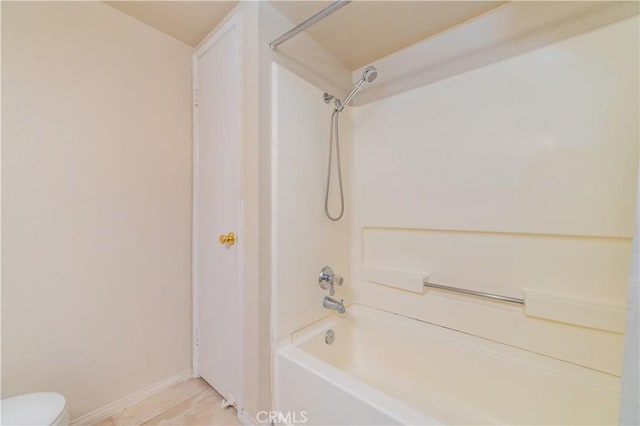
(230,239)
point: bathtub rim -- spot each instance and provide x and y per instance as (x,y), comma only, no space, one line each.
(584,375)
(389,406)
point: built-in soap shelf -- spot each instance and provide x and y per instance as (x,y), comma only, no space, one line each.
(536,303)
(573,310)
(409,281)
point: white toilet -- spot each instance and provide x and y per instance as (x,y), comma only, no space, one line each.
(40,408)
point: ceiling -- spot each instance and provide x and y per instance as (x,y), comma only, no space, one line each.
(187,21)
(356,35)
(364,31)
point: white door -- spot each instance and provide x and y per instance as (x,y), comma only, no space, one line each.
(216,209)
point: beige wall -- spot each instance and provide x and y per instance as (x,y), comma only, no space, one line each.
(521,174)
(96,203)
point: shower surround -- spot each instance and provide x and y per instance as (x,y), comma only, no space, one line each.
(517,178)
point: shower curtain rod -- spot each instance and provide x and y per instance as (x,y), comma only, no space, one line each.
(309,22)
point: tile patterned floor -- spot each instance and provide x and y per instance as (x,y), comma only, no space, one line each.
(192,402)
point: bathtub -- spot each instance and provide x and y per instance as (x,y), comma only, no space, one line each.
(383,368)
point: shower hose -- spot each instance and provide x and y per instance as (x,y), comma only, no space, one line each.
(335,118)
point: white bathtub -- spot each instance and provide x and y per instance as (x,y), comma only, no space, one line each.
(387,369)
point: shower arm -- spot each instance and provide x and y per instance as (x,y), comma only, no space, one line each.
(341,104)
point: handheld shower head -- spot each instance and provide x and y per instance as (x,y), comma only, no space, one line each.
(368,76)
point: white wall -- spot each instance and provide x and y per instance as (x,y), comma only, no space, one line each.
(304,240)
(520,174)
(96,119)
(262,22)
(630,387)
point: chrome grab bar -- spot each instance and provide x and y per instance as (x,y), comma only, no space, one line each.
(474,293)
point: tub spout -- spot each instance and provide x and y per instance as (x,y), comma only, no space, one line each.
(331,303)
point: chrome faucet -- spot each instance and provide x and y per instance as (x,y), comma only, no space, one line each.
(328,280)
(331,303)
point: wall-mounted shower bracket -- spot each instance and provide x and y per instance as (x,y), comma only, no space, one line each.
(327,98)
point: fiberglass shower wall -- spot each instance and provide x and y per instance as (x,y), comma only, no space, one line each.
(517,175)
(304,240)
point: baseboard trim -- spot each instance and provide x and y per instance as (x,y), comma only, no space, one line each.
(102,413)
(246,419)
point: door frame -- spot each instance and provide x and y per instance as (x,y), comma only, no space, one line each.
(231,21)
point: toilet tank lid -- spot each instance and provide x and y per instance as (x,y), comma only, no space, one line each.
(40,408)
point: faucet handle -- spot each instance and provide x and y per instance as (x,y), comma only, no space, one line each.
(328,280)
(325,280)
(337,280)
